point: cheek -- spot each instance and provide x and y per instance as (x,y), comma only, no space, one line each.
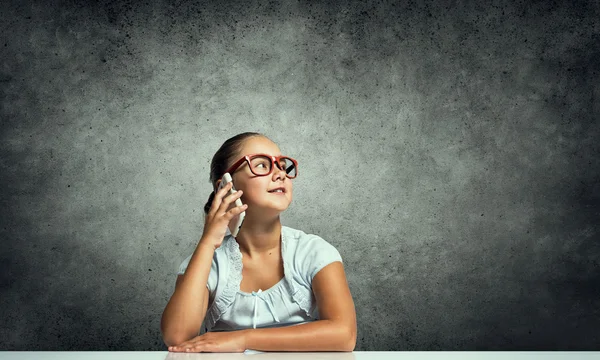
(253,194)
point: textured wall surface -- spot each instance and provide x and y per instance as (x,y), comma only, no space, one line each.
(450,152)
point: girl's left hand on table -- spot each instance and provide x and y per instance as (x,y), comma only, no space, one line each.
(231,341)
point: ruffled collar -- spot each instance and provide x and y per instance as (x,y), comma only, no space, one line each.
(235,257)
(233,279)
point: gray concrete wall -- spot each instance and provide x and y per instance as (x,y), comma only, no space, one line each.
(448,150)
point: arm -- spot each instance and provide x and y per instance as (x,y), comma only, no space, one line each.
(185,311)
(336,329)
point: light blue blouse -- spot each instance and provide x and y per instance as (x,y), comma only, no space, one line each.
(288,302)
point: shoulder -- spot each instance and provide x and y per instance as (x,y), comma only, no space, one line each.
(299,241)
(308,252)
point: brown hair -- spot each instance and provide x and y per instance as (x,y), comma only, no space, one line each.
(223,159)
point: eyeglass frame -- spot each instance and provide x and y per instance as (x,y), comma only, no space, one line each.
(274,161)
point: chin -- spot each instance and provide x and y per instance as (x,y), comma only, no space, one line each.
(268,205)
(278,207)
(273,207)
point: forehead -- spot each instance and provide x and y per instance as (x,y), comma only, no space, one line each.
(259,145)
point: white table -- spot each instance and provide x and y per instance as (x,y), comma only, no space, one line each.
(357,355)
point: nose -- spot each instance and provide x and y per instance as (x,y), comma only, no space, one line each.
(278,172)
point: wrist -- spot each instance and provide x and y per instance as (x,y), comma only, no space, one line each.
(206,245)
(246,338)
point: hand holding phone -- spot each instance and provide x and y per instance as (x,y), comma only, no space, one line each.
(236,222)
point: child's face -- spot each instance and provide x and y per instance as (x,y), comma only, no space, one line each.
(256,188)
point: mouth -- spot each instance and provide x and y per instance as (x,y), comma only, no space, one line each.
(278,190)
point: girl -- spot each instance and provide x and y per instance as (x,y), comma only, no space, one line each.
(272,288)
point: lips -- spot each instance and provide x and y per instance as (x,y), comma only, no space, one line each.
(278,192)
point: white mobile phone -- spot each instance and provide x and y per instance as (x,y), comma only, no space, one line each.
(236,223)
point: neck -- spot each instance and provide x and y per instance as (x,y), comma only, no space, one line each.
(258,237)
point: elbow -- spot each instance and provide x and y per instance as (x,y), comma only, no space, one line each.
(348,343)
(168,342)
(342,337)
(173,339)
(169,338)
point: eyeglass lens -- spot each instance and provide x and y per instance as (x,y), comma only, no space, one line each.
(261,165)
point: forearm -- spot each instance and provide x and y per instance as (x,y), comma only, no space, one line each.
(186,309)
(320,335)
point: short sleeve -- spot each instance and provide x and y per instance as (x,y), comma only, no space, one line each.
(212,275)
(314,253)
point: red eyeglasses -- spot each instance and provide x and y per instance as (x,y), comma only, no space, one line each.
(262,165)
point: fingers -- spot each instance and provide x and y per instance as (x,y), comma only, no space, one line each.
(197,346)
(228,200)
(184,345)
(222,202)
(235,211)
(219,198)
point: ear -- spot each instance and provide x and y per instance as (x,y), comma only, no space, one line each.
(217,185)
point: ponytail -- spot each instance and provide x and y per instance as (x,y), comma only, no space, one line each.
(209,202)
